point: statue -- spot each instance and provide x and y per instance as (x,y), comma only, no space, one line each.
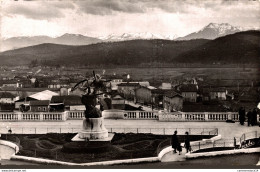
(93,127)
(89,99)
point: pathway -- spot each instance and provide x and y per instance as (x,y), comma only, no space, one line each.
(170,156)
(6,152)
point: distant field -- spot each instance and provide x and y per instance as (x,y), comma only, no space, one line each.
(169,74)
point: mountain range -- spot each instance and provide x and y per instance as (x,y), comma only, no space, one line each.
(211,31)
(238,48)
(66,39)
(133,36)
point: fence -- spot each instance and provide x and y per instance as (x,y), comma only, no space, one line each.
(249,135)
(227,143)
(41,129)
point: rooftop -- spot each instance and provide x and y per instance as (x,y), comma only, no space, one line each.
(129,84)
(161,91)
(67,100)
(27,89)
(214,89)
(39,103)
(172,94)
(44,95)
(188,88)
(6,95)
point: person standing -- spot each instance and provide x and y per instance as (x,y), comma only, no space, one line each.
(187,142)
(254,117)
(175,142)
(249,117)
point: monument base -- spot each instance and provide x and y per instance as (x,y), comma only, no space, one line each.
(93,130)
(106,139)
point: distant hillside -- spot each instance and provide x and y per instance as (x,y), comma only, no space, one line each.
(66,39)
(132,52)
(242,47)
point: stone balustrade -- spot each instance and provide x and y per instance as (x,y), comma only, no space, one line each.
(75,114)
(198,116)
(8,116)
(121,114)
(33,116)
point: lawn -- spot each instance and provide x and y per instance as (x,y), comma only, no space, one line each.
(60,147)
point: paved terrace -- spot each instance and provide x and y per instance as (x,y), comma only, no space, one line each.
(227,130)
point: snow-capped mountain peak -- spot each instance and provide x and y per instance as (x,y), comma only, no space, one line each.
(132,36)
(213,31)
(222,28)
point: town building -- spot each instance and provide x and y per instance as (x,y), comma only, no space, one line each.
(25,92)
(6,97)
(127,90)
(39,105)
(189,92)
(166,86)
(218,94)
(62,103)
(172,101)
(144,95)
(43,95)
(118,102)
(214,93)
(10,83)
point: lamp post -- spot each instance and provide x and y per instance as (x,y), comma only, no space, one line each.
(6,133)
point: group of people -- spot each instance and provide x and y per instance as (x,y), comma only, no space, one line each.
(251,116)
(176,144)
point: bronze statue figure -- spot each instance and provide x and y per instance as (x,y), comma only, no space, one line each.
(89,99)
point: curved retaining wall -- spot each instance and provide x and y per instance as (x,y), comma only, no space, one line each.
(226,152)
(10,144)
(203,141)
(53,162)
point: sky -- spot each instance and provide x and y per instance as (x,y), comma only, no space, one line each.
(103,17)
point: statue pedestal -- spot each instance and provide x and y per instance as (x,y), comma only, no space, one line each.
(93,130)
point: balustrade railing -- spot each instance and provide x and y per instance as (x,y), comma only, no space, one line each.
(52,116)
(194,116)
(140,115)
(217,116)
(32,116)
(76,114)
(198,116)
(5,116)
(153,115)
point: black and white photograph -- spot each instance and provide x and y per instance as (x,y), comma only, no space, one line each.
(129,84)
